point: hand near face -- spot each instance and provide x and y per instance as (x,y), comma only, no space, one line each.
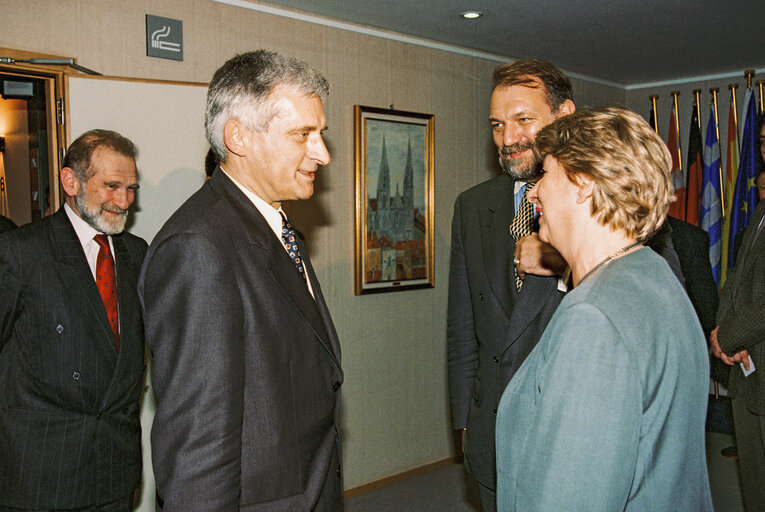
(537,257)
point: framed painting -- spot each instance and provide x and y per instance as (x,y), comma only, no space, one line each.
(395,154)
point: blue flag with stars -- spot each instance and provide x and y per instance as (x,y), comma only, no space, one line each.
(711,204)
(745,193)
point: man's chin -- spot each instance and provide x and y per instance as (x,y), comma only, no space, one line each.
(525,171)
(111,226)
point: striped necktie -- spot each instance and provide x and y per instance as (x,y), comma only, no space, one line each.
(522,225)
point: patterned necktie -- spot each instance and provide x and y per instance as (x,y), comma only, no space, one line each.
(522,225)
(106,280)
(290,243)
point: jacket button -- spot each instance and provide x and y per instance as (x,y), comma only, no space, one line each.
(76,375)
(495,412)
(59,328)
(480,297)
(336,385)
(496,359)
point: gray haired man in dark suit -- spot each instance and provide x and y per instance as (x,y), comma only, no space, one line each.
(246,365)
(71,341)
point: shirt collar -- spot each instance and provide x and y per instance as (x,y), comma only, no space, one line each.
(272,215)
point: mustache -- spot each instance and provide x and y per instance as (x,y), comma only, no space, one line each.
(516,148)
(114,209)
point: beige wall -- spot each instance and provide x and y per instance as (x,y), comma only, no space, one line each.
(395,401)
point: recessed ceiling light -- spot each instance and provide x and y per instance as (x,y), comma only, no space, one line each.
(471,15)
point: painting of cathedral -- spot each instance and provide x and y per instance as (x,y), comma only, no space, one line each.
(395,185)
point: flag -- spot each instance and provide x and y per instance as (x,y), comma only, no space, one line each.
(745,192)
(693,171)
(711,205)
(677,208)
(731,171)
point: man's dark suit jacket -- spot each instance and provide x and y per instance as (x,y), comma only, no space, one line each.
(6,224)
(741,316)
(491,328)
(246,367)
(69,429)
(692,246)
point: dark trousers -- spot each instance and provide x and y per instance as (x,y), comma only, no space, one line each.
(488,498)
(750,442)
(124,504)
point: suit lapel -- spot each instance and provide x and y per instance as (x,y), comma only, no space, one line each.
(497,246)
(129,317)
(748,244)
(70,262)
(321,304)
(279,263)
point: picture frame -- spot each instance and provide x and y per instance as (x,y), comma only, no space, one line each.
(395,159)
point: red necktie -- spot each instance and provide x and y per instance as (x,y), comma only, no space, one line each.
(106,280)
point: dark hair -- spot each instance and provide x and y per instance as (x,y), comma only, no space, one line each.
(532,73)
(241,87)
(81,150)
(760,123)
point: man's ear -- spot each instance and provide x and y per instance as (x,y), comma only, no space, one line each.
(70,182)
(585,189)
(236,137)
(566,108)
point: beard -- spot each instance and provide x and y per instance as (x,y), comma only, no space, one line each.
(95,216)
(521,169)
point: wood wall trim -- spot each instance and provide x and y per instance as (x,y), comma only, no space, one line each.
(399,477)
(142,80)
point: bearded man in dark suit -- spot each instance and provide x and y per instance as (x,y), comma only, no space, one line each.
(496,316)
(71,351)
(246,367)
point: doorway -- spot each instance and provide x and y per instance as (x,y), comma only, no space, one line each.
(30,131)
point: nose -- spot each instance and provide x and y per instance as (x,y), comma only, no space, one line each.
(318,151)
(531,194)
(511,134)
(123,198)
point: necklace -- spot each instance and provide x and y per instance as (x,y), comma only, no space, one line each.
(608,259)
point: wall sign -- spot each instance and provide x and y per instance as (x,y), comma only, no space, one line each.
(164,37)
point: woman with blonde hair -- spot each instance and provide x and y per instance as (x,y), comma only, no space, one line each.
(607,412)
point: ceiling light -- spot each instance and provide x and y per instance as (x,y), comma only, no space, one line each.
(471,15)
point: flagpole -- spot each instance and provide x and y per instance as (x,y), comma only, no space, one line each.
(733,88)
(714,91)
(679,150)
(697,100)
(762,105)
(655,97)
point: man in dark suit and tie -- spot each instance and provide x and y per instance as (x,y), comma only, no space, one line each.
(740,338)
(71,341)
(246,367)
(495,316)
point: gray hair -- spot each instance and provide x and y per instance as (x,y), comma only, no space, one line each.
(240,90)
